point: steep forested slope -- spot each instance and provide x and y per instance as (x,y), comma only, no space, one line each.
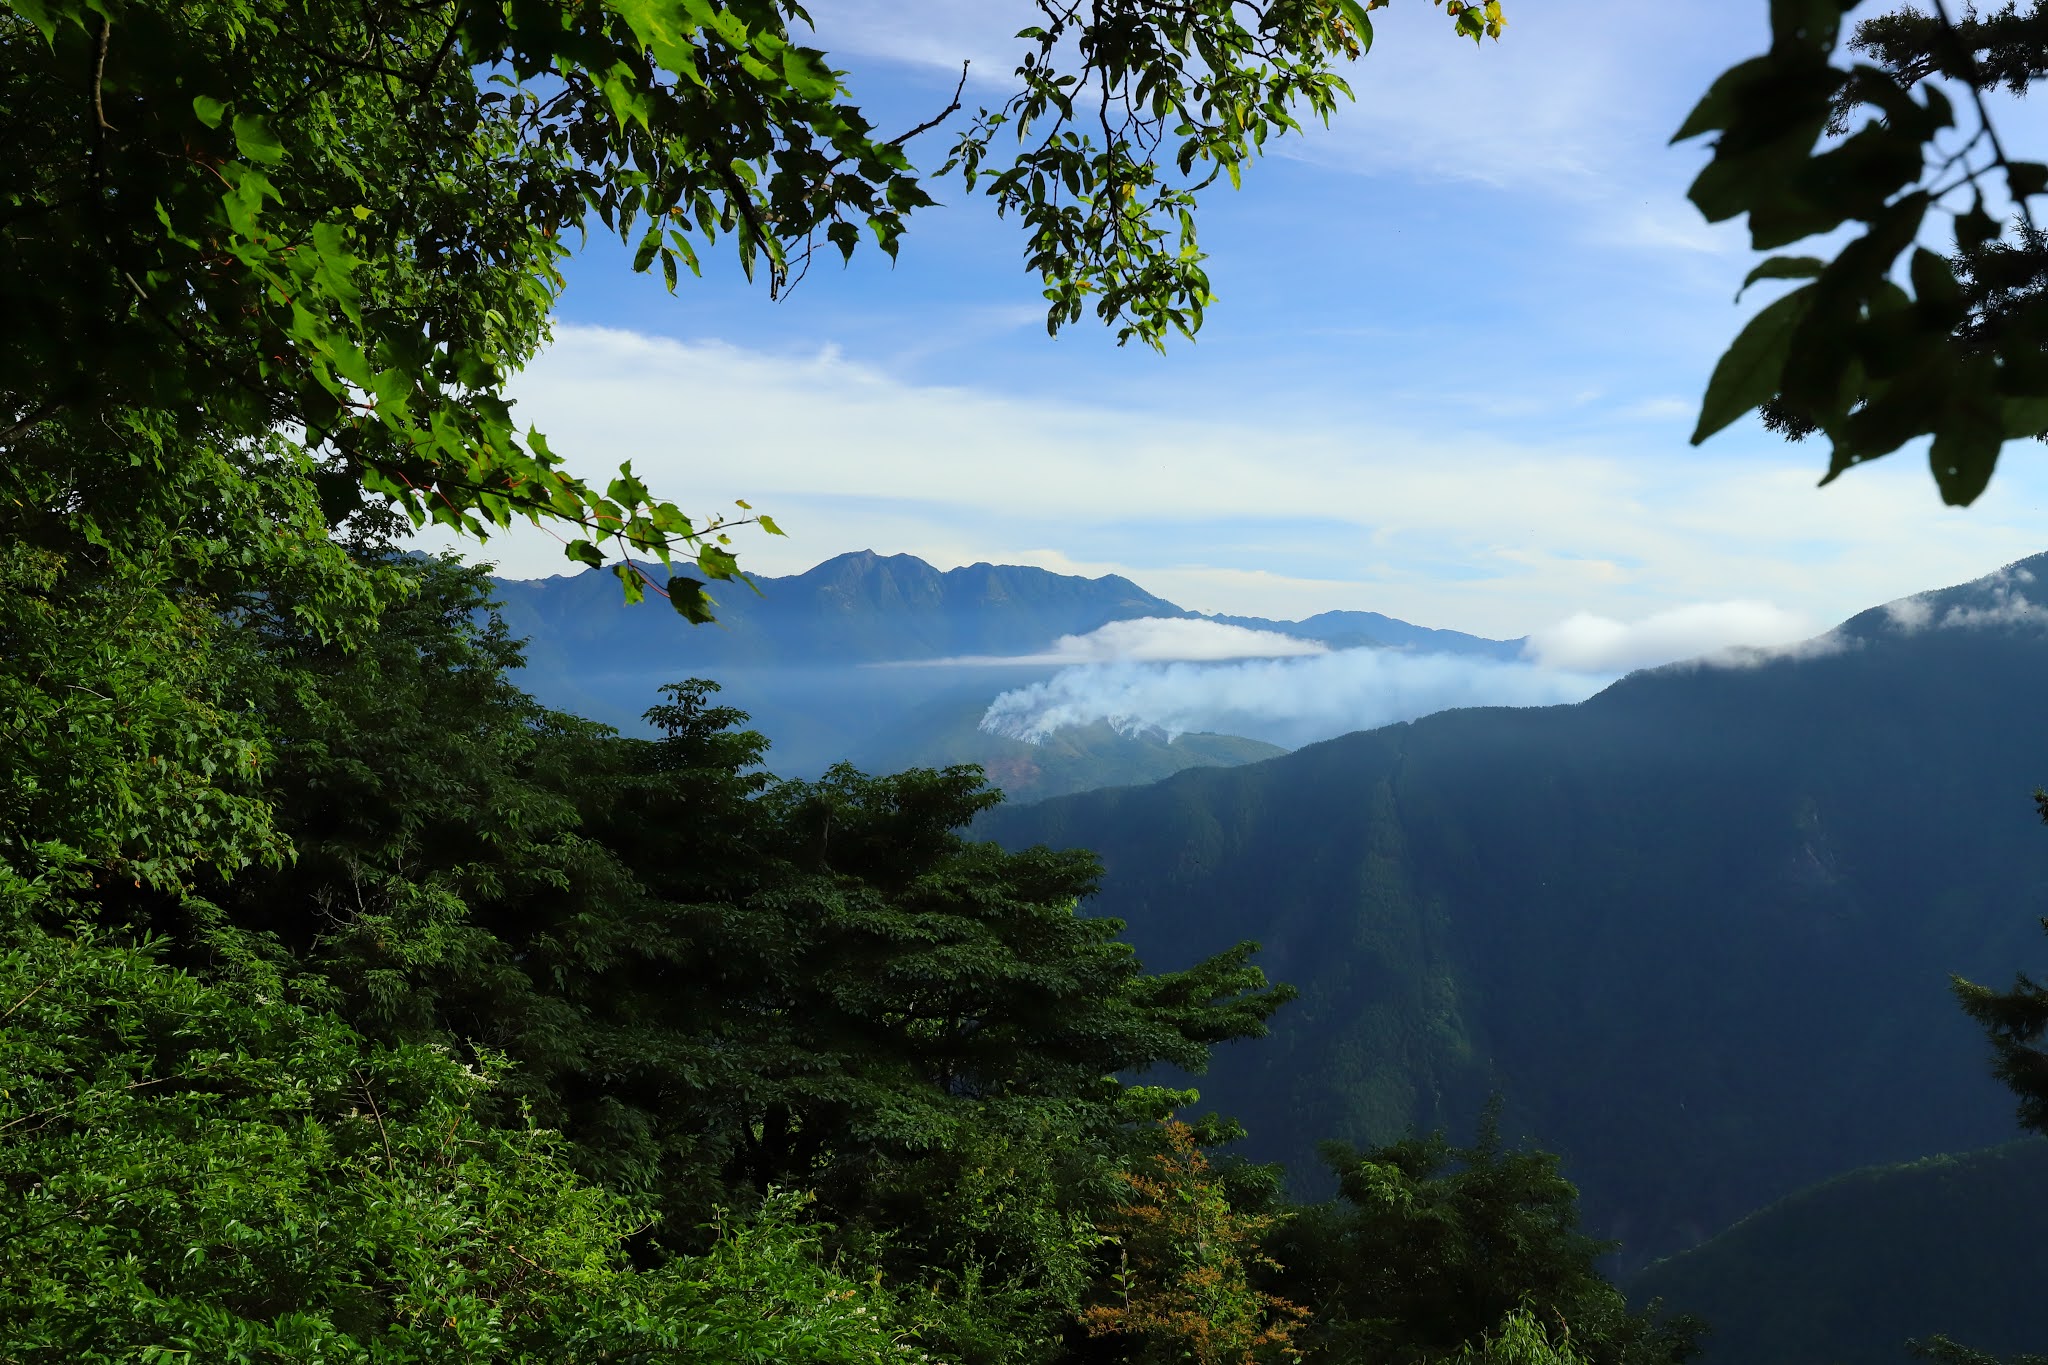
(1697,929)
(1849,1270)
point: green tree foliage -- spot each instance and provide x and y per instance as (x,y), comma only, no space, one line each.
(1184,1260)
(202,1170)
(1521,1339)
(2016,1022)
(1433,1252)
(347,219)
(1806,146)
(1945,1352)
(712,982)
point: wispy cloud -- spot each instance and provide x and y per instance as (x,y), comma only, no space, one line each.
(1158,639)
(2004,602)
(1586,642)
(1267,512)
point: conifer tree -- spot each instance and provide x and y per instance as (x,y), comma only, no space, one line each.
(2016,1022)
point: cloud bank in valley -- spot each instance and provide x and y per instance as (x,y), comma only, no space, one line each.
(1290,701)
(1178,676)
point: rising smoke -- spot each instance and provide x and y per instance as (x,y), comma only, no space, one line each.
(1292,701)
(1181,676)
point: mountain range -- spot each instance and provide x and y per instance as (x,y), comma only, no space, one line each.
(849,661)
(1697,931)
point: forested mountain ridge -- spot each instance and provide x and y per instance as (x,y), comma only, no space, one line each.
(810,658)
(1697,929)
(854,608)
(865,607)
(1805,1279)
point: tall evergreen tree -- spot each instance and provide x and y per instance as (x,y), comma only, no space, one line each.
(2016,1022)
(1430,1252)
(713,982)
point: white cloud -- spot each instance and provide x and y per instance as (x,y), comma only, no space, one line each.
(2008,607)
(1911,613)
(929,33)
(1286,701)
(1587,642)
(1159,639)
(2005,604)
(1249,509)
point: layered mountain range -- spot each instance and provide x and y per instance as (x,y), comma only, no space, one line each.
(1697,931)
(852,660)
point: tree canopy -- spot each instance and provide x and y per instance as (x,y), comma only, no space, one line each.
(347,220)
(1890,339)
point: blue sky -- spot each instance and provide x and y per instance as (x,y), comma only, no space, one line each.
(1449,376)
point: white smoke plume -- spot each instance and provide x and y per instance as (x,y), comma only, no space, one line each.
(1290,701)
(1137,675)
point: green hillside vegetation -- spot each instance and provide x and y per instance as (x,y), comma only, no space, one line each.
(1697,930)
(1849,1270)
(1072,759)
(356,1006)
(549,1044)
(1085,757)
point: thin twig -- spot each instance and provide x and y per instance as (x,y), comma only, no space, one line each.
(1971,79)
(951,109)
(99,75)
(25,999)
(378,1114)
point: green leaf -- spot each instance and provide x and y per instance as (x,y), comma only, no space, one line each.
(650,244)
(1975,228)
(767,523)
(1748,374)
(807,74)
(1782,268)
(2026,179)
(2025,417)
(1811,25)
(256,141)
(691,602)
(1718,106)
(665,28)
(37,14)
(210,110)
(1966,444)
(1361,23)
